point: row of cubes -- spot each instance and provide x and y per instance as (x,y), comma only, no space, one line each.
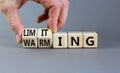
(44,38)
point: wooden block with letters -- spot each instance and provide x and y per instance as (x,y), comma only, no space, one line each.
(29,38)
(60,40)
(90,39)
(44,38)
(75,40)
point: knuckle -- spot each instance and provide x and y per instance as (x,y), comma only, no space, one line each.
(12,27)
(66,4)
(6,5)
(58,5)
(2,6)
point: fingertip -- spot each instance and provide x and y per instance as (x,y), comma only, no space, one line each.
(19,39)
(19,36)
(53,28)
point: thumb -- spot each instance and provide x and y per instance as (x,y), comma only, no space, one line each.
(15,23)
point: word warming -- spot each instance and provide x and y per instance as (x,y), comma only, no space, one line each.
(44,38)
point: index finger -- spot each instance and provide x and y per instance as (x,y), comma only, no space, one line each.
(54,12)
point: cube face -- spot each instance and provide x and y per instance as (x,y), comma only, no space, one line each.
(44,38)
(75,40)
(29,38)
(90,39)
(44,32)
(29,43)
(60,40)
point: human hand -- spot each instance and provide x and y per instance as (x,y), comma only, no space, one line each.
(55,11)
(10,10)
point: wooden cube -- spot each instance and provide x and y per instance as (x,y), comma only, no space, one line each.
(74,40)
(29,38)
(60,40)
(44,38)
(90,39)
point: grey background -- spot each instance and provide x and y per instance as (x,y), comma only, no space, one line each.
(102,16)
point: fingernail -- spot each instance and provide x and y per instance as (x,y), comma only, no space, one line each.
(17,37)
(54,29)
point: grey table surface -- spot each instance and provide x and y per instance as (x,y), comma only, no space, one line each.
(101,16)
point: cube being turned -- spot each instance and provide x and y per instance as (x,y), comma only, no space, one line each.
(60,40)
(75,40)
(90,39)
(44,38)
(29,38)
